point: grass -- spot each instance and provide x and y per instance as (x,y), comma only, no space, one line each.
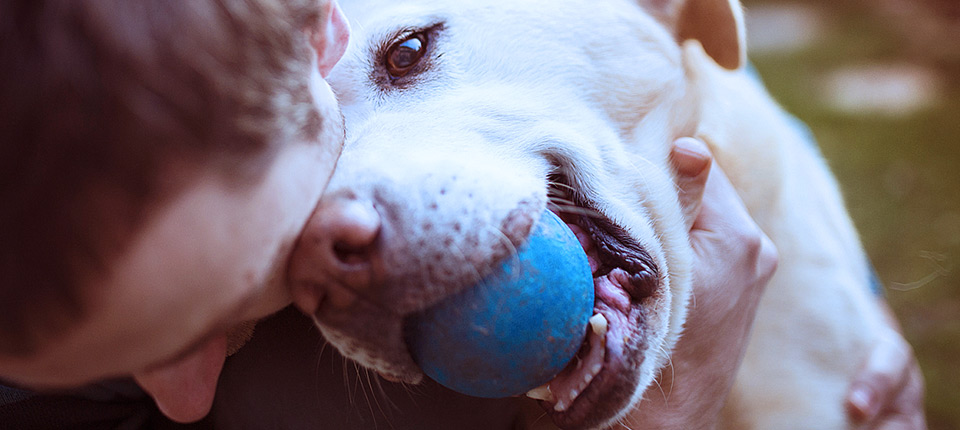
(900,177)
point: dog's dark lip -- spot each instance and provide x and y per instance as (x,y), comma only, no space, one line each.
(618,250)
(615,246)
(610,390)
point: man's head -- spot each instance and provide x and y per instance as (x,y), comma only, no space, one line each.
(158,160)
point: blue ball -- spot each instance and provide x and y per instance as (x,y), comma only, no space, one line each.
(518,327)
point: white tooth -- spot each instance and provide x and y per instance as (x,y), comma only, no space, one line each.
(599,324)
(560,406)
(574,394)
(596,369)
(541,393)
(587,378)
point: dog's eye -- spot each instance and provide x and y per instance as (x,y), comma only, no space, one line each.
(405,54)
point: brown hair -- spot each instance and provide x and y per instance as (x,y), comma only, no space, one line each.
(96,95)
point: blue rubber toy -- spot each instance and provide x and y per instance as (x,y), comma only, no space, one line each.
(518,327)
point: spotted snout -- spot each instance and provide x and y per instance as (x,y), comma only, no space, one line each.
(381,246)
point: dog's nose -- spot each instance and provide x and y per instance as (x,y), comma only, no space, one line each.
(335,259)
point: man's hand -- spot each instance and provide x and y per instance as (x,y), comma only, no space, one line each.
(733,261)
(887,394)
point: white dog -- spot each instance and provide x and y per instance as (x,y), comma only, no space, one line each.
(468,118)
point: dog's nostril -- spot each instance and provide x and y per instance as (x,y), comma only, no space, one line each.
(350,255)
(354,227)
(337,254)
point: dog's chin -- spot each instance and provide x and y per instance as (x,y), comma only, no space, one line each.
(389,359)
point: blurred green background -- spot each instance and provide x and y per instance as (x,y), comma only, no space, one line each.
(878,82)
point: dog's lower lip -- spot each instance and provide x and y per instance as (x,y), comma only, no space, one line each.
(609,389)
(619,293)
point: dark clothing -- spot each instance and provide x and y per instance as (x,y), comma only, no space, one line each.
(286,377)
(116,404)
(265,386)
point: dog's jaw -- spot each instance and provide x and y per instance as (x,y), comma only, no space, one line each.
(629,281)
(601,383)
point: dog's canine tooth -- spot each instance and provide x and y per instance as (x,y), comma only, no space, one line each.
(599,324)
(542,393)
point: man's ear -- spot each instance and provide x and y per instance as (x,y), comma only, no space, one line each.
(329,36)
(716,24)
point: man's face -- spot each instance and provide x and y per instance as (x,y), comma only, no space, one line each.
(209,259)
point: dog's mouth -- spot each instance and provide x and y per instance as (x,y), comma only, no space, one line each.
(600,381)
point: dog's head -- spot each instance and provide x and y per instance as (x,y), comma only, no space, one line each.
(465,120)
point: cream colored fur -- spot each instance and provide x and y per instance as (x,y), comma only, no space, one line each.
(597,90)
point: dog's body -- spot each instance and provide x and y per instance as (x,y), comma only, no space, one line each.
(513,102)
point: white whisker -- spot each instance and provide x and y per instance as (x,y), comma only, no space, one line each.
(577,210)
(557,184)
(562,200)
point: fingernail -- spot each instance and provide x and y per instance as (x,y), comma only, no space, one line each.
(690,155)
(862,399)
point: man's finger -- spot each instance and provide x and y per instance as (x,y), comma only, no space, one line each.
(883,376)
(692,160)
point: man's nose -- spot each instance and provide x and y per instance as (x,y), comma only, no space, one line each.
(337,258)
(331,39)
(183,390)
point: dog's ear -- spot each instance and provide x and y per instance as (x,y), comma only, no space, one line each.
(716,24)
